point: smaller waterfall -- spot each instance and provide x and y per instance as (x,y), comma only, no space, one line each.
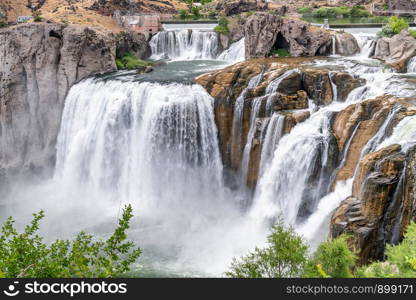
(334,45)
(235,53)
(403,134)
(367,44)
(411,66)
(274,132)
(334,86)
(236,143)
(187,44)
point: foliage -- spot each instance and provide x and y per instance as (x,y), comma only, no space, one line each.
(212,14)
(3,24)
(378,270)
(342,11)
(195,13)
(412,33)
(304,10)
(129,61)
(284,256)
(394,26)
(26,255)
(332,259)
(183,14)
(37,16)
(222,26)
(280,53)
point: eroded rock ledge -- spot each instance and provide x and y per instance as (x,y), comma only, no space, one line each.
(296,82)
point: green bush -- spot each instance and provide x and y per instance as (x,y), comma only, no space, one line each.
(212,14)
(343,11)
(222,26)
(183,14)
(3,24)
(332,259)
(412,33)
(284,256)
(394,26)
(26,255)
(304,10)
(280,52)
(37,16)
(129,61)
(195,13)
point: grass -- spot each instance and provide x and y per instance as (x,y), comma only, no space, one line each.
(129,61)
(280,53)
(334,12)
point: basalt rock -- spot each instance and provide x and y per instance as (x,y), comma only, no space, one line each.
(397,50)
(40,62)
(346,44)
(382,202)
(294,84)
(131,41)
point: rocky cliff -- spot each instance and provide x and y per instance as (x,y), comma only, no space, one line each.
(40,62)
(285,87)
(265,32)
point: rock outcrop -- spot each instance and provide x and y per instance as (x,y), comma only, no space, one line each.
(397,50)
(235,7)
(265,32)
(285,87)
(131,41)
(382,200)
(40,62)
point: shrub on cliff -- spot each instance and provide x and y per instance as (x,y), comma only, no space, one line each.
(26,255)
(394,26)
(222,26)
(284,256)
(3,24)
(129,61)
(332,259)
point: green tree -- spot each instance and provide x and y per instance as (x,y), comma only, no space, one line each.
(26,255)
(195,13)
(332,259)
(183,14)
(37,16)
(394,26)
(284,256)
(222,26)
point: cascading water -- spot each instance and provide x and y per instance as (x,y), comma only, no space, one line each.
(235,53)
(367,43)
(186,44)
(411,65)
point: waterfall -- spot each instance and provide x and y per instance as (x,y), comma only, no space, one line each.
(333,86)
(187,44)
(273,87)
(236,143)
(274,132)
(235,53)
(334,45)
(293,179)
(403,134)
(411,66)
(130,139)
(367,43)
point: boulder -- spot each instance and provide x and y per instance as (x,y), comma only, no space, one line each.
(235,7)
(346,44)
(397,50)
(260,33)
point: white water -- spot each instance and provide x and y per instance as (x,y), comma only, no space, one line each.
(155,146)
(411,66)
(185,44)
(404,133)
(235,53)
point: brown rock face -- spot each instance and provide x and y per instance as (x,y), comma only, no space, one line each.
(382,203)
(40,62)
(346,44)
(294,84)
(345,83)
(234,7)
(396,51)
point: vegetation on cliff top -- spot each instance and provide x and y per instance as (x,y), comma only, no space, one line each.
(222,26)
(286,255)
(394,26)
(26,255)
(129,61)
(334,12)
